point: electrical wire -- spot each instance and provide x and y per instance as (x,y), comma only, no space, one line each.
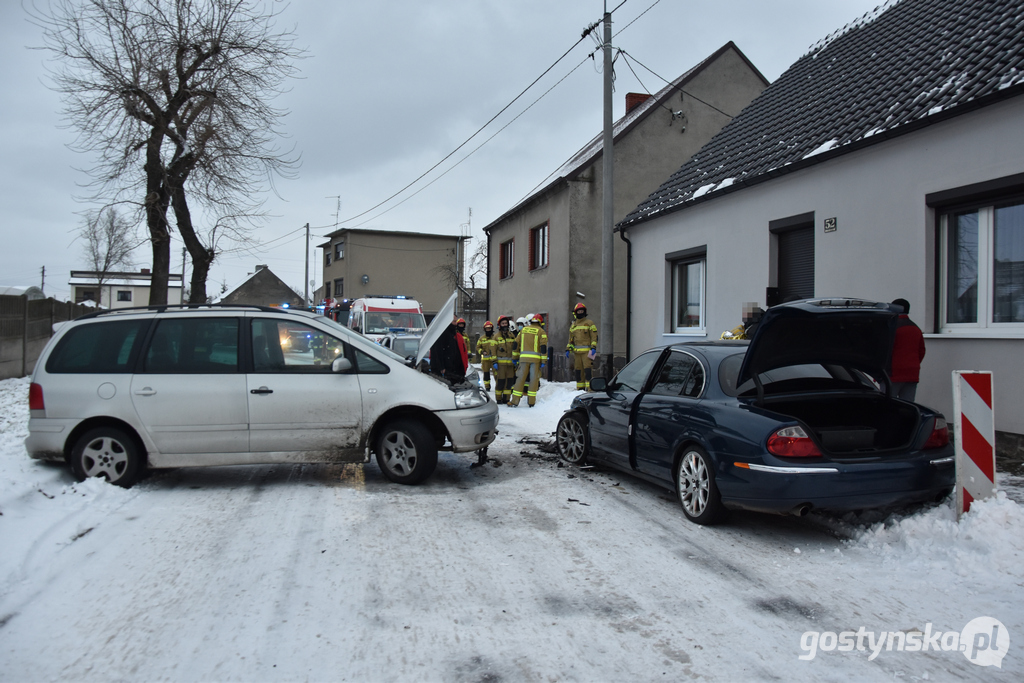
(688,94)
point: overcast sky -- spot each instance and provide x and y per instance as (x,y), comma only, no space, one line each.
(388,89)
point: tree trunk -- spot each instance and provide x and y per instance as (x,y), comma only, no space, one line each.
(156,221)
(202,258)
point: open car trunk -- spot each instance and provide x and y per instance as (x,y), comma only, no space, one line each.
(852,426)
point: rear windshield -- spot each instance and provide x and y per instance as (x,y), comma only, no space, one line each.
(108,346)
(794,378)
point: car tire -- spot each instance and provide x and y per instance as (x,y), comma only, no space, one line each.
(406,452)
(572,439)
(696,487)
(107,452)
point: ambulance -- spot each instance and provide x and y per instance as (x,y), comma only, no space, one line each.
(378,315)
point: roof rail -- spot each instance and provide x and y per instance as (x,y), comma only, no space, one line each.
(186,307)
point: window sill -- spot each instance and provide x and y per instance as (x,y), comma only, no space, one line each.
(977,334)
(695,333)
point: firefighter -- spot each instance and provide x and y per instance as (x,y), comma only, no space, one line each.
(582,347)
(504,363)
(485,350)
(520,324)
(532,345)
(460,326)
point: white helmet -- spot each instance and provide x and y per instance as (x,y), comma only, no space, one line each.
(521,321)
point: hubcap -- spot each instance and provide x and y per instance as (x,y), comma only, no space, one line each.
(105,457)
(694,484)
(571,440)
(399,453)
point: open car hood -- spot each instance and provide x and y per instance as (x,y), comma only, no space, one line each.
(842,331)
(440,322)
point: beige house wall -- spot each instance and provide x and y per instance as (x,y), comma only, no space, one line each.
(417,265)
(644,156)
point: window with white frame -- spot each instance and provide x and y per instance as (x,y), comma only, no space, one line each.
(687,294)
(339,250)
(539,247)
(505,267)
(983,268)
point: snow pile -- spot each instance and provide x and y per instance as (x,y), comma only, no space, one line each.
(985,545)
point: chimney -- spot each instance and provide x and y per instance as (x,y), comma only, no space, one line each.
(635,99)
(260,267)
(145,271)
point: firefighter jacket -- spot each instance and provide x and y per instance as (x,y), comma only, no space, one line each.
(532,344)
(582,336)
(504,348)
(485,347)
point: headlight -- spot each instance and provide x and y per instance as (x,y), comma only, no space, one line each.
(469,398)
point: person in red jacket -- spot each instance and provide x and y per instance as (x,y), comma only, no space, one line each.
(907,354)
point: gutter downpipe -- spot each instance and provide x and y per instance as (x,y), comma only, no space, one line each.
(629,291)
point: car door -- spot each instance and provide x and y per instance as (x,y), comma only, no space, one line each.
(297,404)
(189,390)
(671,408)
(611,409)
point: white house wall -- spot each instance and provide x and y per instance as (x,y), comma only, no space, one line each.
(883,247)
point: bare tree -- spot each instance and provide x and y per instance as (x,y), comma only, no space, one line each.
(172,96)
(110,239)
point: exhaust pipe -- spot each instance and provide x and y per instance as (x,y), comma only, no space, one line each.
(801,510)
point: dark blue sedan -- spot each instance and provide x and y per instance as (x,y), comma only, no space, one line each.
(801,418)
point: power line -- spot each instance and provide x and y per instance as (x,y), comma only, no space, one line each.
(688,94)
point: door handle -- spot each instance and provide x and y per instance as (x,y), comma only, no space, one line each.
(145,391)
(261,390)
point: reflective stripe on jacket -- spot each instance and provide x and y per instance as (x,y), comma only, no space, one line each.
(532,344)
(582,335)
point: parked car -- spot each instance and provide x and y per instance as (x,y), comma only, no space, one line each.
(404,344)
(802,418)
(118,391)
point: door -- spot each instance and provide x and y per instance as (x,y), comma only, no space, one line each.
(610,411)
(796,263)
(669,411)
(189,391)
(296,403)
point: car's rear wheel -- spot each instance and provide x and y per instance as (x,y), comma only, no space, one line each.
(107,452)
(572,439)
(406,452)
(696,488)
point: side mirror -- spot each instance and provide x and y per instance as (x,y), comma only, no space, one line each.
(598,384)
(341,364)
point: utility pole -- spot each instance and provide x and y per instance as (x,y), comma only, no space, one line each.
(607,339)
(305,301)
(42,284)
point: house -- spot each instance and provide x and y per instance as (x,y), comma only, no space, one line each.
(263,288)
(887,162)
(119,290)
(545,252)
(421,266)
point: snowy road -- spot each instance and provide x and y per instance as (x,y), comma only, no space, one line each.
(526,571)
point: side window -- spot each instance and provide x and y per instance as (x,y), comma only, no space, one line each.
(193,346)
(293,347)
(680,375)
(106,346)
(368,365)
(633,376)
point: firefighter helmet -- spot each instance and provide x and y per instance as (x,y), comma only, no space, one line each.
(580,307)
(460,320)
(489,324)
(537,318)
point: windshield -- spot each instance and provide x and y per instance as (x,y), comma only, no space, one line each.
(380,322)
(406,347)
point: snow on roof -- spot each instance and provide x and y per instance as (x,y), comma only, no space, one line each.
(902,66)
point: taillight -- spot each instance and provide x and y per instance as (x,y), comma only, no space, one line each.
(35,397)
(792,442)
(939,436)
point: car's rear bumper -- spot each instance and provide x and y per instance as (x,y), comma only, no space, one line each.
(471,429)
(46,438)
(784,488)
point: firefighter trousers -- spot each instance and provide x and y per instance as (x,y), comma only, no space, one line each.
(505,377)
(528,379)
(583,369)
(486,364)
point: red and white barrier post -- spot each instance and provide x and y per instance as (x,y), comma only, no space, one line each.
(975,437)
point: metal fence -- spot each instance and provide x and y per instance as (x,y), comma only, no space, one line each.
(26,326)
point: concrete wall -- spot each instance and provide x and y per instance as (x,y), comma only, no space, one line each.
(395,263)
(643,159)
(883,247)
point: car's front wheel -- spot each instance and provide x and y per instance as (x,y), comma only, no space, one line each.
(572,439)
(695,485)
(107,452)
(406,452)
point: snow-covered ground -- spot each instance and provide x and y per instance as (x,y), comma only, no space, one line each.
(520,570)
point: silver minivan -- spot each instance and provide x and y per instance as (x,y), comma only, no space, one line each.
(118,391)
